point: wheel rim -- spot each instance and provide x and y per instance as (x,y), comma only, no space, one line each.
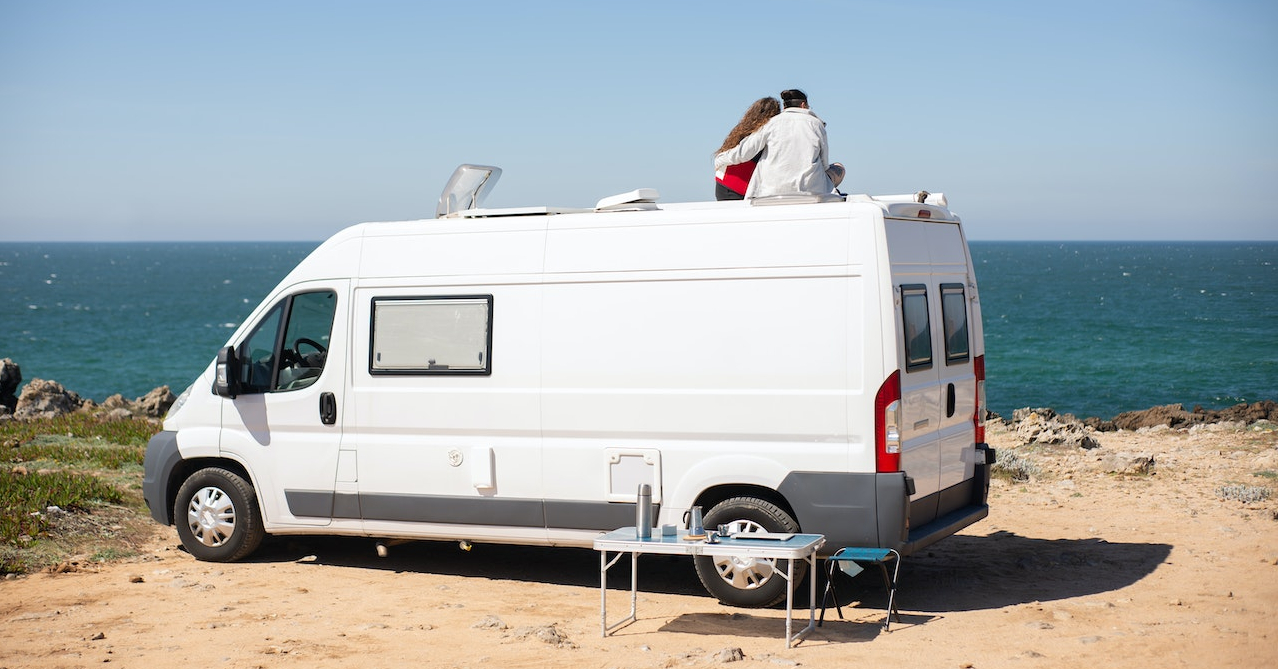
(746,573)
(211,516)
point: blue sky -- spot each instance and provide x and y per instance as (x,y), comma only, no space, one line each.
(291,120)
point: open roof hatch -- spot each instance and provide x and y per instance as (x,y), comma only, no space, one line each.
(466,189)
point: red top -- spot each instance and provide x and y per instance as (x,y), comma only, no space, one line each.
(737,177)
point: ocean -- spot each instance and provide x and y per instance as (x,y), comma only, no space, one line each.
(1089,328)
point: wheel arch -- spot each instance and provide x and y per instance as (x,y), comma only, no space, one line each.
(713,495)
(186,468)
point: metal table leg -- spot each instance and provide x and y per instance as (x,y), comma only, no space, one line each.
(604,565)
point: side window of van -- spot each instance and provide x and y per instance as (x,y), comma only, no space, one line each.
(954,313)
(918,327)
(432,335)
(257,353)
(288,348)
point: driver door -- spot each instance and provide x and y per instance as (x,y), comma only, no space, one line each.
(285,424)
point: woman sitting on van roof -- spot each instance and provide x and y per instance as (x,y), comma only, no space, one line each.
(730,181)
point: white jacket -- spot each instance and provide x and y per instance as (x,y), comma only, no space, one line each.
(795,155)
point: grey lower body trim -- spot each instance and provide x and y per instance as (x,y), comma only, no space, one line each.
(605,516)
(162,457)
(849,509)
(555,514)
(873,510)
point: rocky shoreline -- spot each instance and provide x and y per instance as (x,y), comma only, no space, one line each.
(42,398)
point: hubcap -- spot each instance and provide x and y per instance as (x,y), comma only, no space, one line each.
(211,516)
(746,573)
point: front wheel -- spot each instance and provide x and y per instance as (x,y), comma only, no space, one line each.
(217,516)
(745,581)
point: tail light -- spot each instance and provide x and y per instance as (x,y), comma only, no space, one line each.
(978,419)
(887,421)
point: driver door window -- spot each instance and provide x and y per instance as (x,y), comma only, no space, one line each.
(275,358)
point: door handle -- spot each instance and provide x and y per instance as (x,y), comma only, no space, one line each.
(950,401)
(328,408)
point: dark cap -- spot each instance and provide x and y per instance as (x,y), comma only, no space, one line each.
(793,97)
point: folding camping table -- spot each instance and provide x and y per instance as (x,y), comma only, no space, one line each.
(795,547)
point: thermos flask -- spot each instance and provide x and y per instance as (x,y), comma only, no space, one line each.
(643,512)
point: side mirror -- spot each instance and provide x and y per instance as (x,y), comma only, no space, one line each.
(226,380)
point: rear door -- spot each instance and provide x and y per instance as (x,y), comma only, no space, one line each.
(917,313)
(955,365)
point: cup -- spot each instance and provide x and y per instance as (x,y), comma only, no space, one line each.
(697,527)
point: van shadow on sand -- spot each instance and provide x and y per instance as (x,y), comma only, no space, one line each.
(961,573)
(534,564)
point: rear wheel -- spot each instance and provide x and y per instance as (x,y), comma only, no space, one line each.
(217,516)
(745,581)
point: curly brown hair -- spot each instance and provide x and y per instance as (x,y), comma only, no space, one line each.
(759,113)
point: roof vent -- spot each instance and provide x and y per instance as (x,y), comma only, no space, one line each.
(466,189)
(640,199)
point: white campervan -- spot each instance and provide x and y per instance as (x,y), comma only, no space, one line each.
(804,363)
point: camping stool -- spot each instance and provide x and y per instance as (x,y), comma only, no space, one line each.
(863,557)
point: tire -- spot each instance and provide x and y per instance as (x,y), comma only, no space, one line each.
(217,516)
(748,582)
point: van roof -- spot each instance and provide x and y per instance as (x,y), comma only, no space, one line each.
(470,184)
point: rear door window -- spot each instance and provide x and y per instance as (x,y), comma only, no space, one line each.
(954,313)
(918,327)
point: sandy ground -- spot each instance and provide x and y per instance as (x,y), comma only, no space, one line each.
(1074,568)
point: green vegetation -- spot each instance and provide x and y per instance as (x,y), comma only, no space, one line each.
(130,432)
(66,485)
(59,451)
(1266,474)
(34,496)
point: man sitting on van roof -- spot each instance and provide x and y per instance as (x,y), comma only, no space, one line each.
(796,153)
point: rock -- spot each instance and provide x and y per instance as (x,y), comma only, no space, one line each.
(1251,413)
(490,623)
(728,655)
(546,634)
(1168,415)
(1175,416)
(155,403)
(1045,426)
(1100,425)
(47,399)
(1126,463)
(10,377)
